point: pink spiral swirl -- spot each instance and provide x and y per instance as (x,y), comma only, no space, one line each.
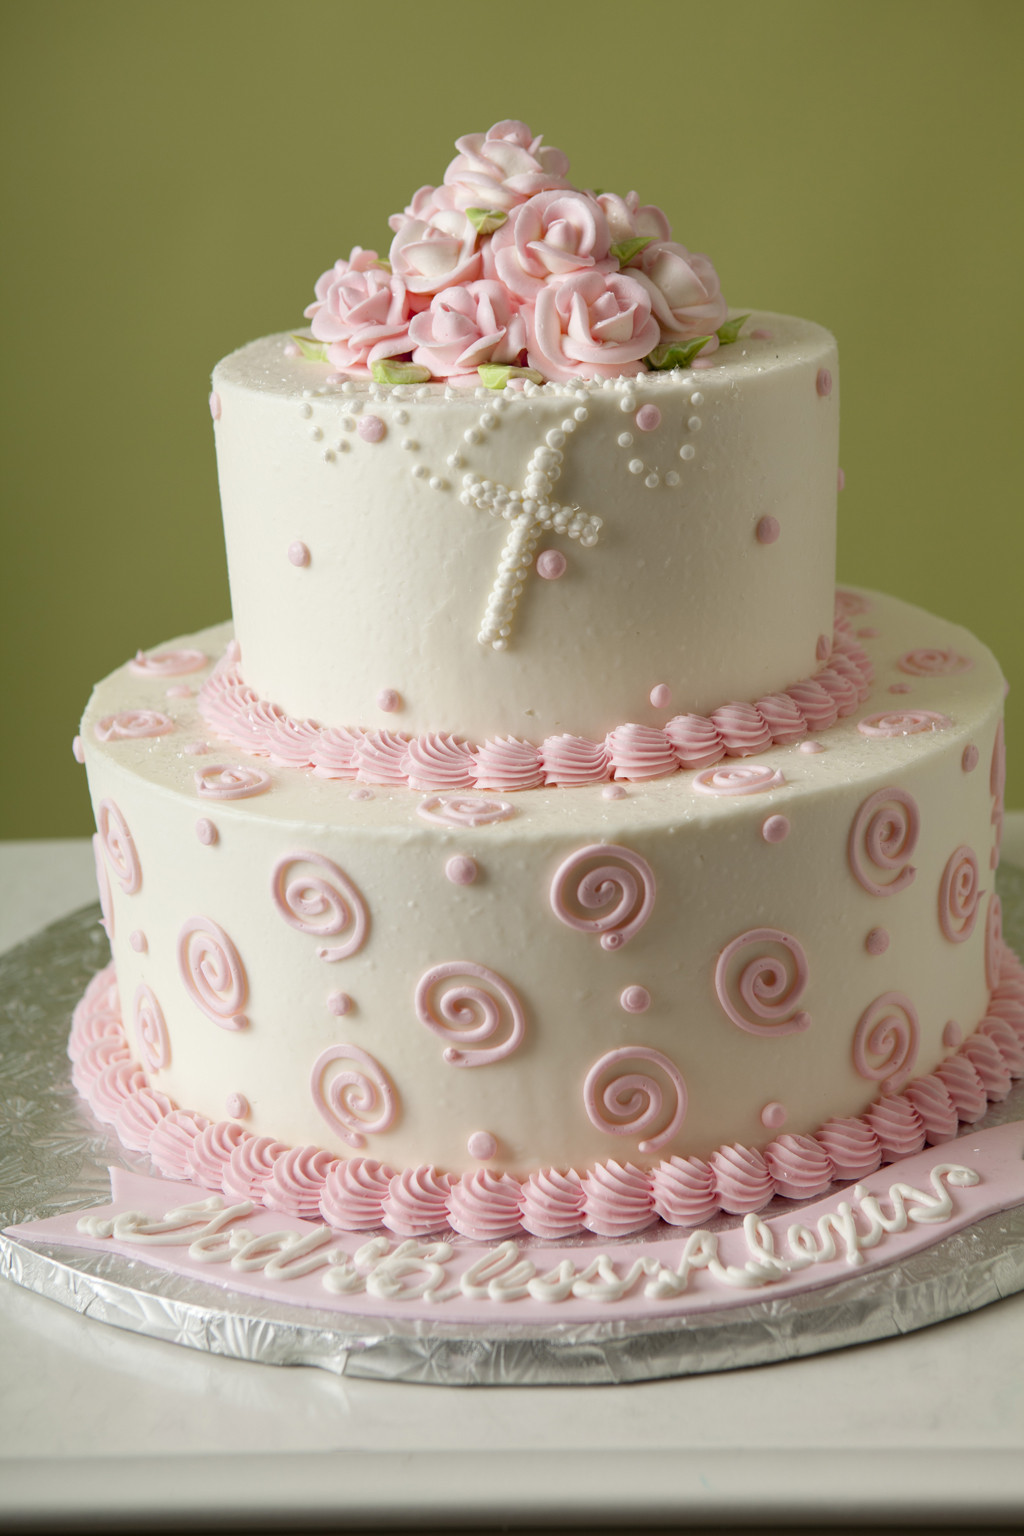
(903,722)
(738,779)
(223,782)
(464,810)
(850,605)
(469,1014)
(887,1031)
(959,895)
(133,724)
(323,907)
(759,979)
(631,1103)
(608,876)
(883,838)
(213,973)
(151,1030)
(167,663)
(118,847)
(356,1101)
(103,886)
(930,661)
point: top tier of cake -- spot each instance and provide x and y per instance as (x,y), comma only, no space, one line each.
(537,559)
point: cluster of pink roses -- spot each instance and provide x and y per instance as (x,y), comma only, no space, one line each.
(507,263)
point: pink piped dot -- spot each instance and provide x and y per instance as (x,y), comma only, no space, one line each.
(969,761)
(823,383)
(179,691)
(362,793)
(138,941)
(899,687)
(823,649)
(952,1035)
(775,829)
(767,530)
(206,831)
(840,480)
(195,748)
(703,362)
(869,632)
(877,942)
(298,553)
(388,700)
(237,1106)
(462,870)
(291,350)
(551,564)
(215,405)
(78,750)
(648,418)
(635,999)
(481,1145)
(661,695)
(773,1115)
(370,428)
(812,747)
(613,792)
(339,1003)
(762,335)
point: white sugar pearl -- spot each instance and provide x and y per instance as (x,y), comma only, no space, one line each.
(636,466)
(687,451)
(625,439)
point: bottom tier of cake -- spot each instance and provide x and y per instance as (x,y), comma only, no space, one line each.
(554,1008)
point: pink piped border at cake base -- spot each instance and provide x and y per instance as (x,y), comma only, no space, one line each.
(613,1199)
(435,761)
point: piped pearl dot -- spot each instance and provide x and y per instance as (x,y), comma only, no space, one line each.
(635,999)
(969,761)
(481,1145)
(138,941)
(877,942)
(237,1106)
(462,870)
(812,747)
(767,530)
(206,831)
(291,350)
(823,383)
(775,829)
(371,429)
(339,1003)
(952,1035)
(215,406)
(78,750)
(613,792)
(298,553)
(773,1115)
(762,335)
(551,564)
(388,700)
(648,418)
(661,695)
(362,793)
(687,451)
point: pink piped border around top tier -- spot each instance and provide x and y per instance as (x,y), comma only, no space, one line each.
(609,1198)
(435,761)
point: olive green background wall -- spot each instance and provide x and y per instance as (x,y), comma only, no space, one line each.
(178,174)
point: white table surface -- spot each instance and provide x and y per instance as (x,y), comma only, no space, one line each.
(96,1423)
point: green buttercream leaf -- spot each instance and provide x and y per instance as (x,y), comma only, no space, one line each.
(314,351)
(486,220)
(625,250)
(387,371)
(729,332)
(497,375)
(677,354)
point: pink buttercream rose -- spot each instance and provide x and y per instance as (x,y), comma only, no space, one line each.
(362,312)
(685,295)
(591,325)
(434,249)
(465,327)
(503,167)
(549,236)
(627,220)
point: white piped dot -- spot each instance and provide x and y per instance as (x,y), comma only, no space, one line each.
(687,451)
(625,439)
(636,466)
(694,424)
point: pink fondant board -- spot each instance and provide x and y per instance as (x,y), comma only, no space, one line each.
(936,1202)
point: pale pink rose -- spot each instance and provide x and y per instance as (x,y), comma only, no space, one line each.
(435,253)
(465,327)
(503,167)
(553,234)
(685,294)
(591,325)
(362,312)
(627,220)
(435,206)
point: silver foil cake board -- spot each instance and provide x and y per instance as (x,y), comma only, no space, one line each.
(55,1161)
